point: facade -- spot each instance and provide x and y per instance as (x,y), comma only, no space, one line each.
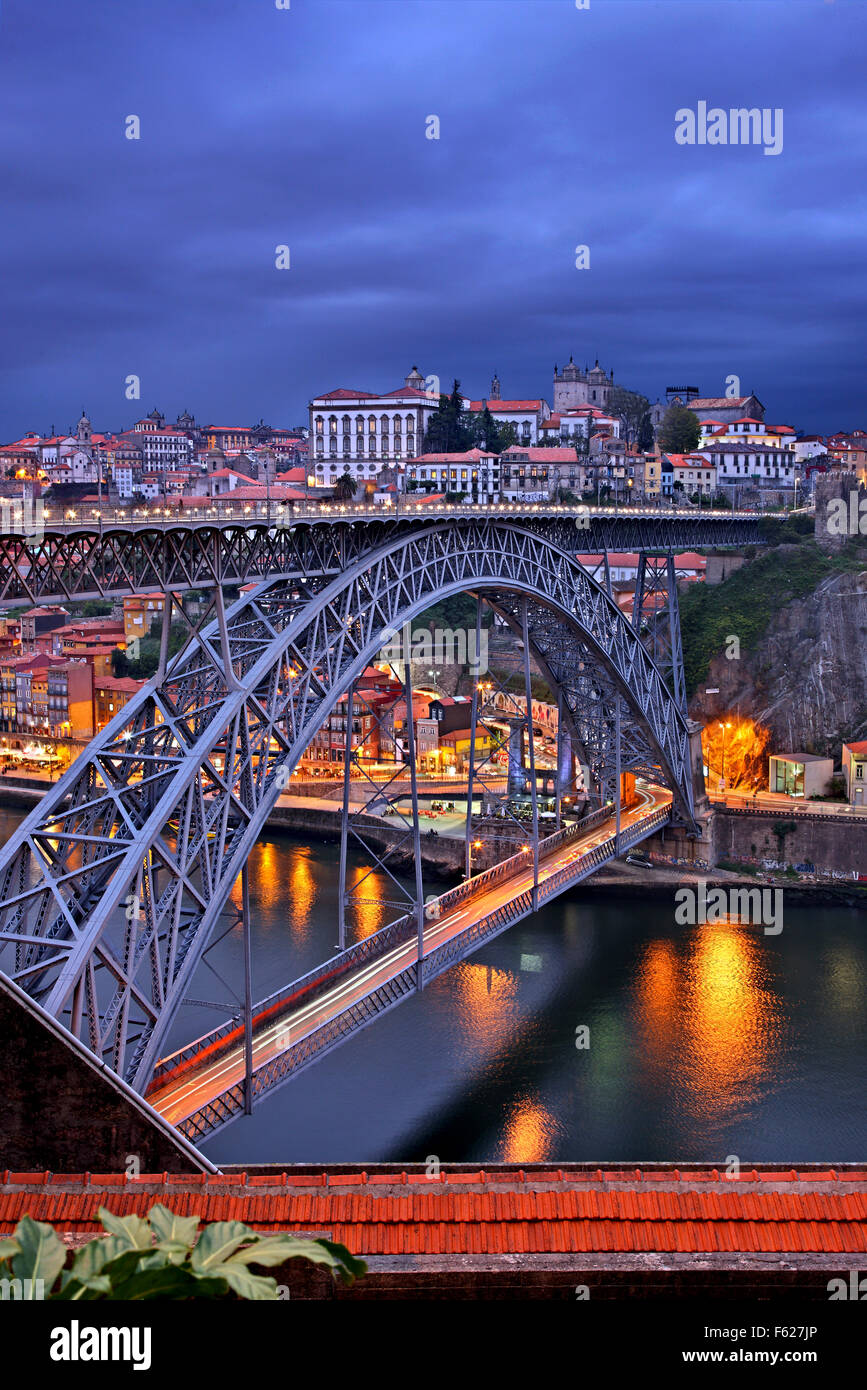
(724,409)
(139,611)
(800,775)
(110,694)
(572,387)
(475,473)
(525,416)
(687,474)
(748,465)
(535,475)
(359,432)
(38,621)
(855,772)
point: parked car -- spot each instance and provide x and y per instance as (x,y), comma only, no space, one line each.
(639,861)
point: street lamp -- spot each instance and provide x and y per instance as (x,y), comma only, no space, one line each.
(724,727)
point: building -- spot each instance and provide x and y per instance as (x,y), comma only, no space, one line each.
(475,473)
(139,612)
(573,426)
(536,475)
(111,694)
(525,416)
(800,774)
(37,621)
(572,387)
(687,474)
(724,409)
(855,772)
(747,465)
(358,432)
(69,689)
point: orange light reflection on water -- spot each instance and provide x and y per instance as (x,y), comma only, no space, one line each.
(707,1016)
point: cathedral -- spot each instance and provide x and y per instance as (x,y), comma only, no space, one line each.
(572,387)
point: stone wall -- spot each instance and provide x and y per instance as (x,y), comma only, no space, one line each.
(832,843)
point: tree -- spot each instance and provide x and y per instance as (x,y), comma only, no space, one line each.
(449,431)
(645,433)
(679,431)
(119,662)
(488,434)
(345,487)
(630,408)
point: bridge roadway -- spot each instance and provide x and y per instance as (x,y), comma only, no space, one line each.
(201,1087)
(54,558)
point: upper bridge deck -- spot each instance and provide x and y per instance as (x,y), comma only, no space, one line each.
(77,553)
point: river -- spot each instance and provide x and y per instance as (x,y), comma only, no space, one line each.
(704,1042)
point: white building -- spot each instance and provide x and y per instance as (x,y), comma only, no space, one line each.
(525,416)
(475,473)
(359,433)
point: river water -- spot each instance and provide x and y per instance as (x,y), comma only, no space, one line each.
(704,1042)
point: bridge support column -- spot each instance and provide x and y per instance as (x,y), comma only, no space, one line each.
(474,711)
(531,752)
(413,782)
(248,992)
(344,824)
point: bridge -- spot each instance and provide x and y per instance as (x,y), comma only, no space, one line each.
(114,885)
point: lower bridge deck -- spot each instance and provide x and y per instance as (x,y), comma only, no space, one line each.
(203,1087)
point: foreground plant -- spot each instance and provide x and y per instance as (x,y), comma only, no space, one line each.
(162,1256)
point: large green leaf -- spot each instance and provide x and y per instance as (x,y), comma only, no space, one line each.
(172,1281)
(275,1248)
(246,1284)
(42,1253)
(131,1229)
(169,1226)
(8,1248)
(217,1242)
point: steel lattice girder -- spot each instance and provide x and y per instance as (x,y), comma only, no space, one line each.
(111,887)
(84,561)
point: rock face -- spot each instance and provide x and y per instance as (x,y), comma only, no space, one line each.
(807,680)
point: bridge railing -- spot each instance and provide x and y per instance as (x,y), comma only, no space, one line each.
(283,514)
(355,1015)
(326,974)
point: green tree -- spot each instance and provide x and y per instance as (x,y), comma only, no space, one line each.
(345,487)
(449,431)
(488,434)
(679,431)
(645,433)
(630,408)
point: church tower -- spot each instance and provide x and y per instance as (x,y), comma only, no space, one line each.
(495,387)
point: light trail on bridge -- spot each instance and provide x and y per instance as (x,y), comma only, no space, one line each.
(194,1086)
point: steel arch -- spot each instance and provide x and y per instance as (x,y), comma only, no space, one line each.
(111,887)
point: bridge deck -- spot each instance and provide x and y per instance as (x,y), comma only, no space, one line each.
(202,1088)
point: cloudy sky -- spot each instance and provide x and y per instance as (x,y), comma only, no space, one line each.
(306,127)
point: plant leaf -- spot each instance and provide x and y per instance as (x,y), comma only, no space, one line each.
(8,1248)
(169,1226)
(131,1229)
(246,1284)
(172,1281)
(276,1247)
(42,1253)
(217,1242)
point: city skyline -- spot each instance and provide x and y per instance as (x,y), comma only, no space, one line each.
(308,127)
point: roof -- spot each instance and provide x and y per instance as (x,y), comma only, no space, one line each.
(118,683)
(544,454)
(471,456)
(499,1211)
(507,407)
(801,758)
(860,748)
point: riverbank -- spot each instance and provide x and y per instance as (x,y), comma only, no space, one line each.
(443,856)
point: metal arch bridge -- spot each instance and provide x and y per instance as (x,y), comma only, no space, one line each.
(114,884)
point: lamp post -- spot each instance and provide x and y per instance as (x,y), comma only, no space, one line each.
(724,727)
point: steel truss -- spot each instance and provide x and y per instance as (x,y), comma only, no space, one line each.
(111,888)
(80,561)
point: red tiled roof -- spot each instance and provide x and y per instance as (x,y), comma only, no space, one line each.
(524,407)
(499,1212)
(859,748)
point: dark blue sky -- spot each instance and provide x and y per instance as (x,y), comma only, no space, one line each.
(307,127)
